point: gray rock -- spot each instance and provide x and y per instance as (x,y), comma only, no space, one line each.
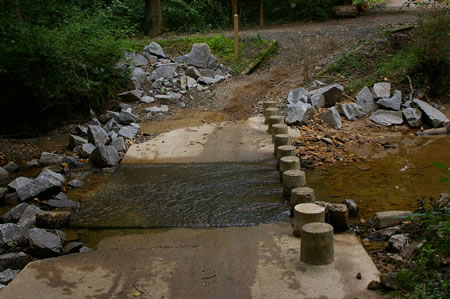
(407,104)
(127,117)
(298,95)
(398,242)
(48,182)
(155,49)
(384,234)
(187,82)
(332,118)
(135,125)
(318,100)
(85,250)
(44,244)
(61,196)
(11,167)
(14,214)
(413,117)
(119,144)
(299,113)
(199,55)
(28,218)
(132,95)
(63,203)
(207,73)
(10,232)
(366,100)
(81,130)
(192,72)
(381,90)
(387,117)
(150,58)
(435,117)
(104,156)
(4,174)
(351,206)
(141,60)
(206,80)
(112,115)
(95,122)
(112,125)
(128,132)
(335,214)
(8,275)
(19,182)
(351,111)
(97,135)
(85,150)
(72,247)
(219,78)
(75,141)
(76,183)
(331,93)
(389,218)
(165,71)
(53,219)
(157,109)
(50,158)
(393,103)
(3,192)
(212,63)
(138,78)
(13,260)
(32,164)
(147,99)
(157,84)
(182,58)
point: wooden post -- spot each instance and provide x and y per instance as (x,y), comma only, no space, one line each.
(236,37)
(234,4)
(261,13)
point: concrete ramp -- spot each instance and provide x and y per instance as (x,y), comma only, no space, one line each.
(254,262)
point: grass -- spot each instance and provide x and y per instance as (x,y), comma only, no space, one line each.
(221,46)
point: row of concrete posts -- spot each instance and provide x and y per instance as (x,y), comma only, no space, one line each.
(317,245)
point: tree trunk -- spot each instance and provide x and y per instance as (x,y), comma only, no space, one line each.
(345,11)
(152,23)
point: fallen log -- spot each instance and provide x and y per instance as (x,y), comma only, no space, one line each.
(438,131)
(344,11)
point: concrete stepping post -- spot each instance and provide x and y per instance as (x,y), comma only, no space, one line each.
(279,129)
(305,213)
(317,245)
(288,163)
(301,195)
(268,113)
(274,120)
(269,104)
(293,179)
(285,151)
(281,140)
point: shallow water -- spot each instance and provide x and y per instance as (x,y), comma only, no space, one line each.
(195,195)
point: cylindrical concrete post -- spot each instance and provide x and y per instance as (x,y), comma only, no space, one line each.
(269,104)
(273,120)
(281,140)
(305,213)
(285,150)
(268,113)
(293,179)
(289,163)
(301,195)
(279,129)
(317,245)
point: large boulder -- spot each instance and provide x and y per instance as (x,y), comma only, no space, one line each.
(13,260)
(97,135)
(199,55)
(155,49)
(351,111)
(298,95)
(50,158)
(366,100)
(413,117)
(393,103)
(317,100)
(44,244)
(119,144)
(387,117)
(331,93)
(332,118)
(19,182)
(15,213)
(381,90)
(47,183)
(436,118)
(141,60)
(28,218)
(299,113)
(105,156)
(138,78)
(132,95)
(10,232)
(165,71)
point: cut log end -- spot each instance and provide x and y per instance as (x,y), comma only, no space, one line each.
(344,11)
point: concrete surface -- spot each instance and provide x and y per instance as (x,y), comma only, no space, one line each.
(254,262)
(218,142)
